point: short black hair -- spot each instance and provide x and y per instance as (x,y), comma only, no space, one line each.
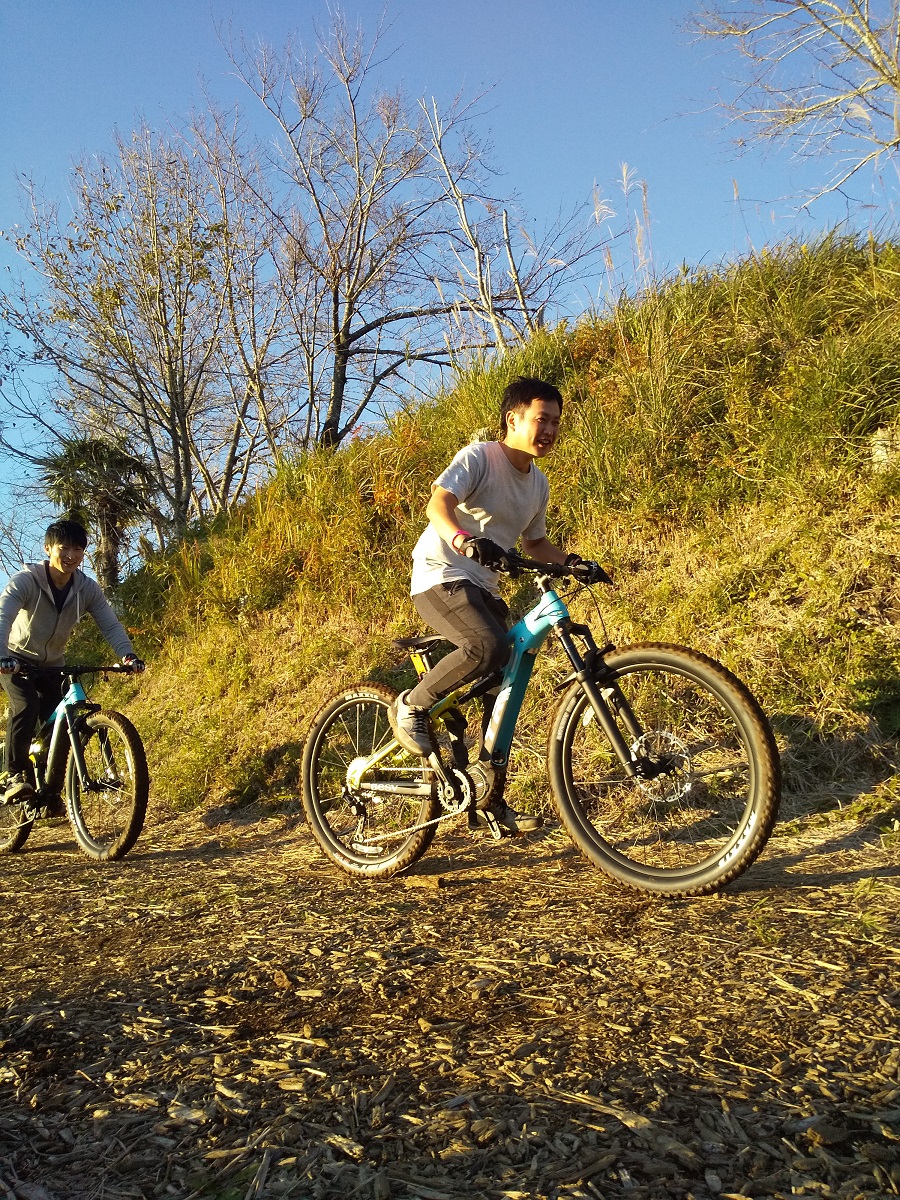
(66,533)
(520,393)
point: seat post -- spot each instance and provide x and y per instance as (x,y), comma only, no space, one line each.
(418,649)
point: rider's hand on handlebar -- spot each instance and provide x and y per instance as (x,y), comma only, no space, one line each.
(134,664)
(9,666)
(485,552)
(586,570)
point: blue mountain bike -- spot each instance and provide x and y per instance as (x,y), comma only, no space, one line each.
(98,758)
(663,768)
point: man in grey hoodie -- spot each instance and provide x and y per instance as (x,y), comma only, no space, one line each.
(39,609)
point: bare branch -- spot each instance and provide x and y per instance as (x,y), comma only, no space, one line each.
(822,75)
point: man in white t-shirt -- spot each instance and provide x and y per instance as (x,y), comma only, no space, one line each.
(490,496)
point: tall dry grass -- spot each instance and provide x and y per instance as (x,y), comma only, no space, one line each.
(716,454)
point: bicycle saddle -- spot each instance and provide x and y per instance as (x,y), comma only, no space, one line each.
(417,643)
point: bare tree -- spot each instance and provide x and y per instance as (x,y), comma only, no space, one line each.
(358,213)
(383,261)
(502,279)
(154,317)
(257,350)
(823,75)
(124,313)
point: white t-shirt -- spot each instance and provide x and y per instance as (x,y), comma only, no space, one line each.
(495,501)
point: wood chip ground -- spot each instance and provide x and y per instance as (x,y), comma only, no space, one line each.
(226,1015)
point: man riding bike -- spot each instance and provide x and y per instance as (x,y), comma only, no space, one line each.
(39,609)
(491,495)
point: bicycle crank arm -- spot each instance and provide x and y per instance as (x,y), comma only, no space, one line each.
(434,761)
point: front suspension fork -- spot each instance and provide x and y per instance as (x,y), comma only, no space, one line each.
(585,676)
(73,720)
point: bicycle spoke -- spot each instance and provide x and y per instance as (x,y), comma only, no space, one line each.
(365,797)
(704,793)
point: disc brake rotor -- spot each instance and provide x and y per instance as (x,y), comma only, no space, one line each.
(670,768)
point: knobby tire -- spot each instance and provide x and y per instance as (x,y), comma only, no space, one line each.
(14,828)
(108,817)
(361,828)
(707,813)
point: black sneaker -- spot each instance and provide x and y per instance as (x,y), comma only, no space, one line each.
(411,725)
(512,821)
(18,788)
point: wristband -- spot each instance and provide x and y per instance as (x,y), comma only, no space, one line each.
(460,533)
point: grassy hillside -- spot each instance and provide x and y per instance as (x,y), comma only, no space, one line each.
(717,456)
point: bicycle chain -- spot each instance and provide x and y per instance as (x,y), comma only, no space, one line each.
(388,837)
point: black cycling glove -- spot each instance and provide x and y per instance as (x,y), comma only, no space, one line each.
(485,552)
(586,570)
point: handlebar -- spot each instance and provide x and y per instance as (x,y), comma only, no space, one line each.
(518,562)
(75,670)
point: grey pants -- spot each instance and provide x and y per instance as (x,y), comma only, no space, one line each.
(475,621)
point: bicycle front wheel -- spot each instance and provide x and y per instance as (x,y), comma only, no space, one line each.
(14,828)
(367,799)
(707,796)
(107,809)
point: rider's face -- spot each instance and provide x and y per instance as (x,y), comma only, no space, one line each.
(64,559)
(534,429)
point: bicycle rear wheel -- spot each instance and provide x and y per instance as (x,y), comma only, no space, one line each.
(107,813)
(367,819)
(708,799)
(14,828)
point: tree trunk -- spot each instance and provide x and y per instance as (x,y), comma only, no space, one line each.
(106,555)
(331,430)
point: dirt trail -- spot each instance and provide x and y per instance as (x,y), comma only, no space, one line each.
(225,1015)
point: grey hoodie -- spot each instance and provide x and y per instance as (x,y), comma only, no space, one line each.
(32,629)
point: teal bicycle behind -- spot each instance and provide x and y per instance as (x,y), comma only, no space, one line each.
(97,758)
(663,767)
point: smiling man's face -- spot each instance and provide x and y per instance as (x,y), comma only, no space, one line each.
(534,429)
(64,560)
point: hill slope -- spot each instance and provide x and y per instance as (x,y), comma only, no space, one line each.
(729,451)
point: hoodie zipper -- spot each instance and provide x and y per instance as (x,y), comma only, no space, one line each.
(44,591)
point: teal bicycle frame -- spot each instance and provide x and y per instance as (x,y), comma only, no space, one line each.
(61,726)
(526,637)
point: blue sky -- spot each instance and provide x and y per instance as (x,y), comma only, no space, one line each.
(575,88)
